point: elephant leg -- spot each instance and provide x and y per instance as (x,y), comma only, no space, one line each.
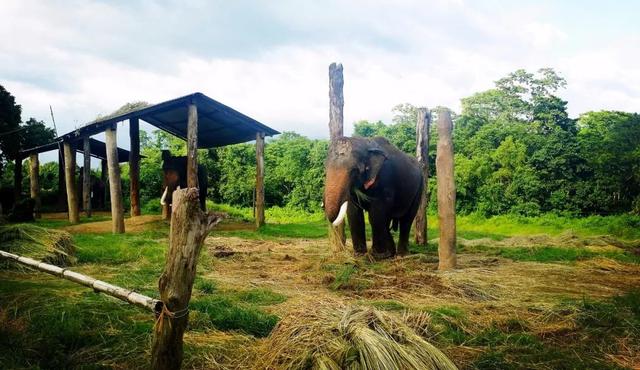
(383,245)
(403,239)
(355,215)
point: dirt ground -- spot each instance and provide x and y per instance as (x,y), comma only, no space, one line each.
(488,289)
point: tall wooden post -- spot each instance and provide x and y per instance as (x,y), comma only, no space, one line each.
(17,178)
(86,177)
(189,227)
(259,179)
(337,235)
(105,180)
(34,177)
(115,186)
(70,182)
(192,147)
(446,192)
(134,166)
(62,188)
(422,154)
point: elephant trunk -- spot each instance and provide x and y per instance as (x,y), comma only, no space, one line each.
(336,195)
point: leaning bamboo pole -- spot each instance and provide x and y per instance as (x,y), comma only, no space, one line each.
(126,295)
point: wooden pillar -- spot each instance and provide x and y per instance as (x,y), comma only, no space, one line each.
(337,235)
(115,186)
(86,177)
(189,228)
(259,179)
(62,188)
(17,179)
(422,154)
(34,177)
(446,192)
(134,166)
(192,147)
(70,182)
(104,170)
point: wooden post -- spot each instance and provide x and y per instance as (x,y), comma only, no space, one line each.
(134,166)
(70,182)
(259,179)
(105,180)
(189,228)
(192,147)
(422,154)
(337,236)
(34,177)
(446,192)
(17,179)
(115,186)
(86,177)
(62,188)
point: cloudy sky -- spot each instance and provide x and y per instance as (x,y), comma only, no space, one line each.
(269,59)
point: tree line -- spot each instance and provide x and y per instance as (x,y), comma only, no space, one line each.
(517,151)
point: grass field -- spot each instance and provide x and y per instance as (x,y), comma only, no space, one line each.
(548,292)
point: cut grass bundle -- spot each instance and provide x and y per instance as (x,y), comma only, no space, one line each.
(51,246)
(340,337)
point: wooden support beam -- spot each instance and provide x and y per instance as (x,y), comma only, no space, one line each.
(17,179)
(62,188)
(86,177)
(189,228)
(104,170)
(446,192)
(337,236)
(422,154)
(192,147)
(34,177)
(70,182)
(134,166)
(259,179)
(115,186)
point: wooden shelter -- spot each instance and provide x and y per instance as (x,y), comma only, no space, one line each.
(196,118)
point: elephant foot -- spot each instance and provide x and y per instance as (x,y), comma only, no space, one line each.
(359,253)
(382,255)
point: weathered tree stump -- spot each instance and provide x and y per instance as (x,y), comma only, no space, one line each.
(446,193)
(189,228)
(422,154)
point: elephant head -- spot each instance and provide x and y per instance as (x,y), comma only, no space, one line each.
(174,171)
(352,166)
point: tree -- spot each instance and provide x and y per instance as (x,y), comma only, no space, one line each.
(10,113)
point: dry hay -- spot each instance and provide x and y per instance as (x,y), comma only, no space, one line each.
(47,245)
(336,336)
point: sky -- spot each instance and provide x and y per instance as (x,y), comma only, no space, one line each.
(270,59)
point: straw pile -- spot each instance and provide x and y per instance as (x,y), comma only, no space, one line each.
(47,245)
(347,337)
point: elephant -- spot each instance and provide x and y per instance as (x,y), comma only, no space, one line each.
(371,174)
(175,176)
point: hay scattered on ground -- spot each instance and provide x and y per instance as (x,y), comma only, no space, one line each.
(336,336)
(47,245)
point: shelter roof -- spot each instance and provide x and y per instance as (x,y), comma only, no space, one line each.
(218,124)
(97,147)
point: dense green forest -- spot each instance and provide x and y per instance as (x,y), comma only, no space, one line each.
(517,151)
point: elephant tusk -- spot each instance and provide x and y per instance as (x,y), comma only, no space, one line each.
(341,214)
(164,196)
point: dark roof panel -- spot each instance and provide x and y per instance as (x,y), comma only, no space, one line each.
(218,124)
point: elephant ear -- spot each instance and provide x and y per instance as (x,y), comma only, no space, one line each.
(377,156)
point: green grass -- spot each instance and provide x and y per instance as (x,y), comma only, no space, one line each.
(388,305)
(121,248)
(548,254)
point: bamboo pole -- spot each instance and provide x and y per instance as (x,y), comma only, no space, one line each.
(259,206)
(86,177)
(34,182)
(446,192)
(189,228)
(422,154)
(337,236)
(126,295)
(70,182)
